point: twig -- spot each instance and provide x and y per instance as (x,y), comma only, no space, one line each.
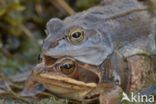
(61,4)
(14,94)
(26,31)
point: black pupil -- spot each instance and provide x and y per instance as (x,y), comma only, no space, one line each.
(76,34)
(67,66)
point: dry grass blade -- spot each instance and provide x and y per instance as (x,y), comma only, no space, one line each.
(26,31)
(62,5)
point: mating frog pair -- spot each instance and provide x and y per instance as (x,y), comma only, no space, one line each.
(111,45)
(121,31)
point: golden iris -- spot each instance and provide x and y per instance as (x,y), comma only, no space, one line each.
(67,68)
(76,37)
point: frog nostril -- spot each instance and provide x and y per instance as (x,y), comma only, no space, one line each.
(53,44)
(48,45)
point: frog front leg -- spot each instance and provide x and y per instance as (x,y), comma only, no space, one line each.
(136,71)
(111,97)
(141,70)
(108,93)
(32,87)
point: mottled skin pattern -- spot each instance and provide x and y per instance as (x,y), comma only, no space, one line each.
(107,29)
(141,66)
(80,82)
(118,31)
(118,37)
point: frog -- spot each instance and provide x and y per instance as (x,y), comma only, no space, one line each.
(71,79)
(121,31)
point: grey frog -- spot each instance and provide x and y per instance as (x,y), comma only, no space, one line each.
(91,36)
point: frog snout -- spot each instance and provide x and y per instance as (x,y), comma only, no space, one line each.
(48,45)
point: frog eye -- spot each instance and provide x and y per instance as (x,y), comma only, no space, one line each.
(76,37)
(67,68)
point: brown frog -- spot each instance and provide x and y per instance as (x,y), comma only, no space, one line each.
(72,79)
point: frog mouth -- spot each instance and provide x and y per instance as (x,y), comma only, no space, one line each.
(66,87)
(68,81)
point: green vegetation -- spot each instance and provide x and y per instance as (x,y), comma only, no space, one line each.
(22,24)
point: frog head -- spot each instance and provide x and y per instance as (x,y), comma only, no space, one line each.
(72,79)
(77,39)
(65,78)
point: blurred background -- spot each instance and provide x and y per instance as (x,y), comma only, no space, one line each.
(22,25)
